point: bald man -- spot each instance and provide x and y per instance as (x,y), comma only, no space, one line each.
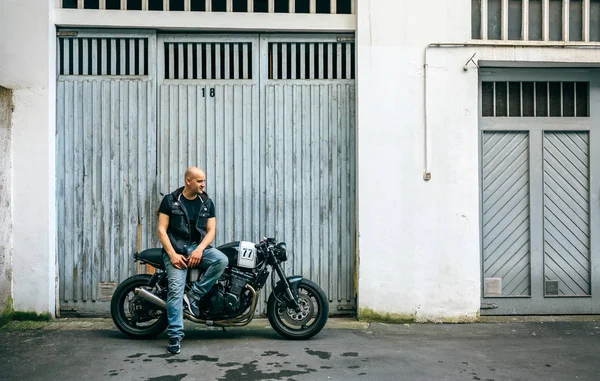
(186,228)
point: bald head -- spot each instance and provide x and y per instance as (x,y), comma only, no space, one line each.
(195,181)
(193,172)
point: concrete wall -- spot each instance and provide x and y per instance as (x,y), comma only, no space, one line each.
(27,66)
(5,197)
(419,241)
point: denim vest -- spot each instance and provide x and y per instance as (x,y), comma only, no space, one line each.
(180,227)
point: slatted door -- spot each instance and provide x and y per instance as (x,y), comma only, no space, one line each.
(271,120)
(106,163)
(539,193)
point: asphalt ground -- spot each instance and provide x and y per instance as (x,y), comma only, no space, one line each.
(496,349)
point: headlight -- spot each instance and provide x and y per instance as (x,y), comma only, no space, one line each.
(281,251)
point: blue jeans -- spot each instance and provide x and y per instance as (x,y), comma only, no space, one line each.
(213,261)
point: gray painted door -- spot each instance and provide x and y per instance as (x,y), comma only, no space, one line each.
(106,163)
(271,120)
(539,197)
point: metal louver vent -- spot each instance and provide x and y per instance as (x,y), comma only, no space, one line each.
(539,99)
(245,6)
(208,60)
(334,60)
(103,56)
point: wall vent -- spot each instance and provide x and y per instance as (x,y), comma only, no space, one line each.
(243,6)
(535,99)
(206,61)
(102,56)
(334,60)
(536,20)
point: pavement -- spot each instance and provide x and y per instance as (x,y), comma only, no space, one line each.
(494,349)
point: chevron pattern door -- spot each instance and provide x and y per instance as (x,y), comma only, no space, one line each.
(539,179)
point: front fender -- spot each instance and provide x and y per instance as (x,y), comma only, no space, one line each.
(293,281)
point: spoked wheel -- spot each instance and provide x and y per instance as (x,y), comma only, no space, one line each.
(133,315)
(303,324)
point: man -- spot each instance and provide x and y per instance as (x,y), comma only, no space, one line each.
(186,228)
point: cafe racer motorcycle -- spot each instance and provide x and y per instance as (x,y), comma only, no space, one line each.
(297,308)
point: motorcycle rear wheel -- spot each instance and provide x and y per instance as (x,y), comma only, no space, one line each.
(134,316)
(304,324)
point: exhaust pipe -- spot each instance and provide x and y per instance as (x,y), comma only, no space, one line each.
(239,321)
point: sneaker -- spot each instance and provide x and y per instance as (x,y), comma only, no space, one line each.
(192,305)
(174,346)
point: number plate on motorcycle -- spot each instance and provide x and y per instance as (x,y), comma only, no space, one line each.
(247,255)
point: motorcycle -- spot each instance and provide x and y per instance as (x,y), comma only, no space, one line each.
(297,308)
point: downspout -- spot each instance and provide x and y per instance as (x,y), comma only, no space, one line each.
(482,44)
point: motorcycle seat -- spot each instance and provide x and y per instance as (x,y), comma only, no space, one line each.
(153,257)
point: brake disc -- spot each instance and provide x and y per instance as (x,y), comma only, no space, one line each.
(303,316)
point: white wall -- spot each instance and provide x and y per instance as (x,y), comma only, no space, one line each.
(418,242)
(27,39)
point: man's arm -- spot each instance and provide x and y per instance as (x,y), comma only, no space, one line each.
(211,229)
(177,260)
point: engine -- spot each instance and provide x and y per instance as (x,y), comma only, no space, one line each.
(228,296)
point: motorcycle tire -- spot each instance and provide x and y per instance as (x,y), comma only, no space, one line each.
(304,324)
(154,320)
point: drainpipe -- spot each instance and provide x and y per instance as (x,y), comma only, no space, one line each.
(482,44)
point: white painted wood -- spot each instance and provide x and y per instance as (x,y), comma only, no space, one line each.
(284,64)
(292,6)
(333,7)
(586,21)
(236,61)
(302,60)
(546,20)
(122,57)
(208,61)
(320,59)
(504,18)
(199,59)
(207,5)
(339,74)
(102,4)
(271,6)
(131,70)
(190,60)
(104,53)
(165,5)
(227,62)
(171,63)
(525,21)
(94,57)
(142,61)
(145,5)
(250,6)
(565,20)
(187,5)
(79,4)
(123,4)
(85,56)
(311,60)
(229,6)
(293,67)
(113,56)
(180,61)
(218,61)
(484,19)
(274,62)
(313,6)
(76,53)
(245,61)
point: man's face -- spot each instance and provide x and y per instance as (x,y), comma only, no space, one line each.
(197,182)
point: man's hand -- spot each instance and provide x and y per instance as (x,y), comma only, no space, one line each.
(178,261)
(195,257)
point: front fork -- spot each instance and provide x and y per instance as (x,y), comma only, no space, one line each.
(289,286)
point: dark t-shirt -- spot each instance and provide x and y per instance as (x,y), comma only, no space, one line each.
(192,208)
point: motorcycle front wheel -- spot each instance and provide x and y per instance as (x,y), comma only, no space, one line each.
(303,324)
(133,315)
